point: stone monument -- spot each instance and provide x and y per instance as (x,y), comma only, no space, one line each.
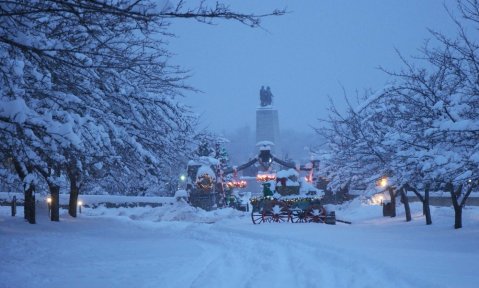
(267,123)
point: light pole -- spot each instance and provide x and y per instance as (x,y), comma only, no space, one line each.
(49,203)
(80,203)
(383,182)
(182,181)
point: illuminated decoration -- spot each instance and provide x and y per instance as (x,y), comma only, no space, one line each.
(265,177)
(383,182)
(256,200)
(236,184)
(49,200)
(290,200)
(182,177)
(204,182)
(267,189)
(309,177)
(377,199)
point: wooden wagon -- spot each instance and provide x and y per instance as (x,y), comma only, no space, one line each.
(295,209)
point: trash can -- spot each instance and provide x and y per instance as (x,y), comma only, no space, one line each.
(387,209)
(330,218)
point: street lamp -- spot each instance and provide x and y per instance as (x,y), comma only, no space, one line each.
(49,203)
(80,203)
(383,182)
(182,180)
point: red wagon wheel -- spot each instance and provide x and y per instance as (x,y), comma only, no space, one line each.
(257,217)
(299,211)
(261,211)
(299,216)
(316,213)
(277,211)
(257,211)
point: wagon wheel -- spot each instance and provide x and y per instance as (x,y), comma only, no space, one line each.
(299,212)
(257,217)
(278,210)
(298,216)
(267,216)
(316,214)
(257,212)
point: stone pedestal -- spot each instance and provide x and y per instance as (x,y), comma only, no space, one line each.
(267,127)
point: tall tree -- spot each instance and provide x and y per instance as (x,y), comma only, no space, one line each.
(88,83)
(424,127)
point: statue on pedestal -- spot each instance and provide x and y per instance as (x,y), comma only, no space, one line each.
(265,96)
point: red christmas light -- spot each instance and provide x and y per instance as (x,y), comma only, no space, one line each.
(236,184)
(265,177)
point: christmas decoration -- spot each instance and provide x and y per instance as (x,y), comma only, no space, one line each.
(264,177)
(267,189)
(236,184)
(204,182)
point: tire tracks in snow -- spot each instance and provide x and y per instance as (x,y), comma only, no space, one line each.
(239,258)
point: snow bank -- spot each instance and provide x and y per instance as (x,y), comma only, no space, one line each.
(178,211)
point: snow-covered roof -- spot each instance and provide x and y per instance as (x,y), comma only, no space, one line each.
(206,170)
(287,173)
(308,187)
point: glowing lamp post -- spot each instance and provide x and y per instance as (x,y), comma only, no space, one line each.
(182,181)
(389,207)
(383,182)
(80,203)
(49,203)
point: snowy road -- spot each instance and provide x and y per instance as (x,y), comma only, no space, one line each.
(134,249)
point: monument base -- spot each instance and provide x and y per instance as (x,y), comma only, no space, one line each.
(267,127)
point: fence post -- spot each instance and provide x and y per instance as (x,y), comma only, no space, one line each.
(14,205)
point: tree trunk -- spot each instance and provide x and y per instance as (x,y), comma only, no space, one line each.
(26,205)
(455,204)
(405,201)
(72,205)
(29,198)
(29,205)
(33,211)
(74,176)
(424,200)
(55,207)
(457,217)
(426,209)
(393,201)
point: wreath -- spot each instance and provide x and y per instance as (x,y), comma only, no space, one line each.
(204,182)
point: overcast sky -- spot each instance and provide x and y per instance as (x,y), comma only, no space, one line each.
(305,56)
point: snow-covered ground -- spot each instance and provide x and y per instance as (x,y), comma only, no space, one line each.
(179,246)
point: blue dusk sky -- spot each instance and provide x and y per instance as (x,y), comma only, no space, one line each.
(306,56)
